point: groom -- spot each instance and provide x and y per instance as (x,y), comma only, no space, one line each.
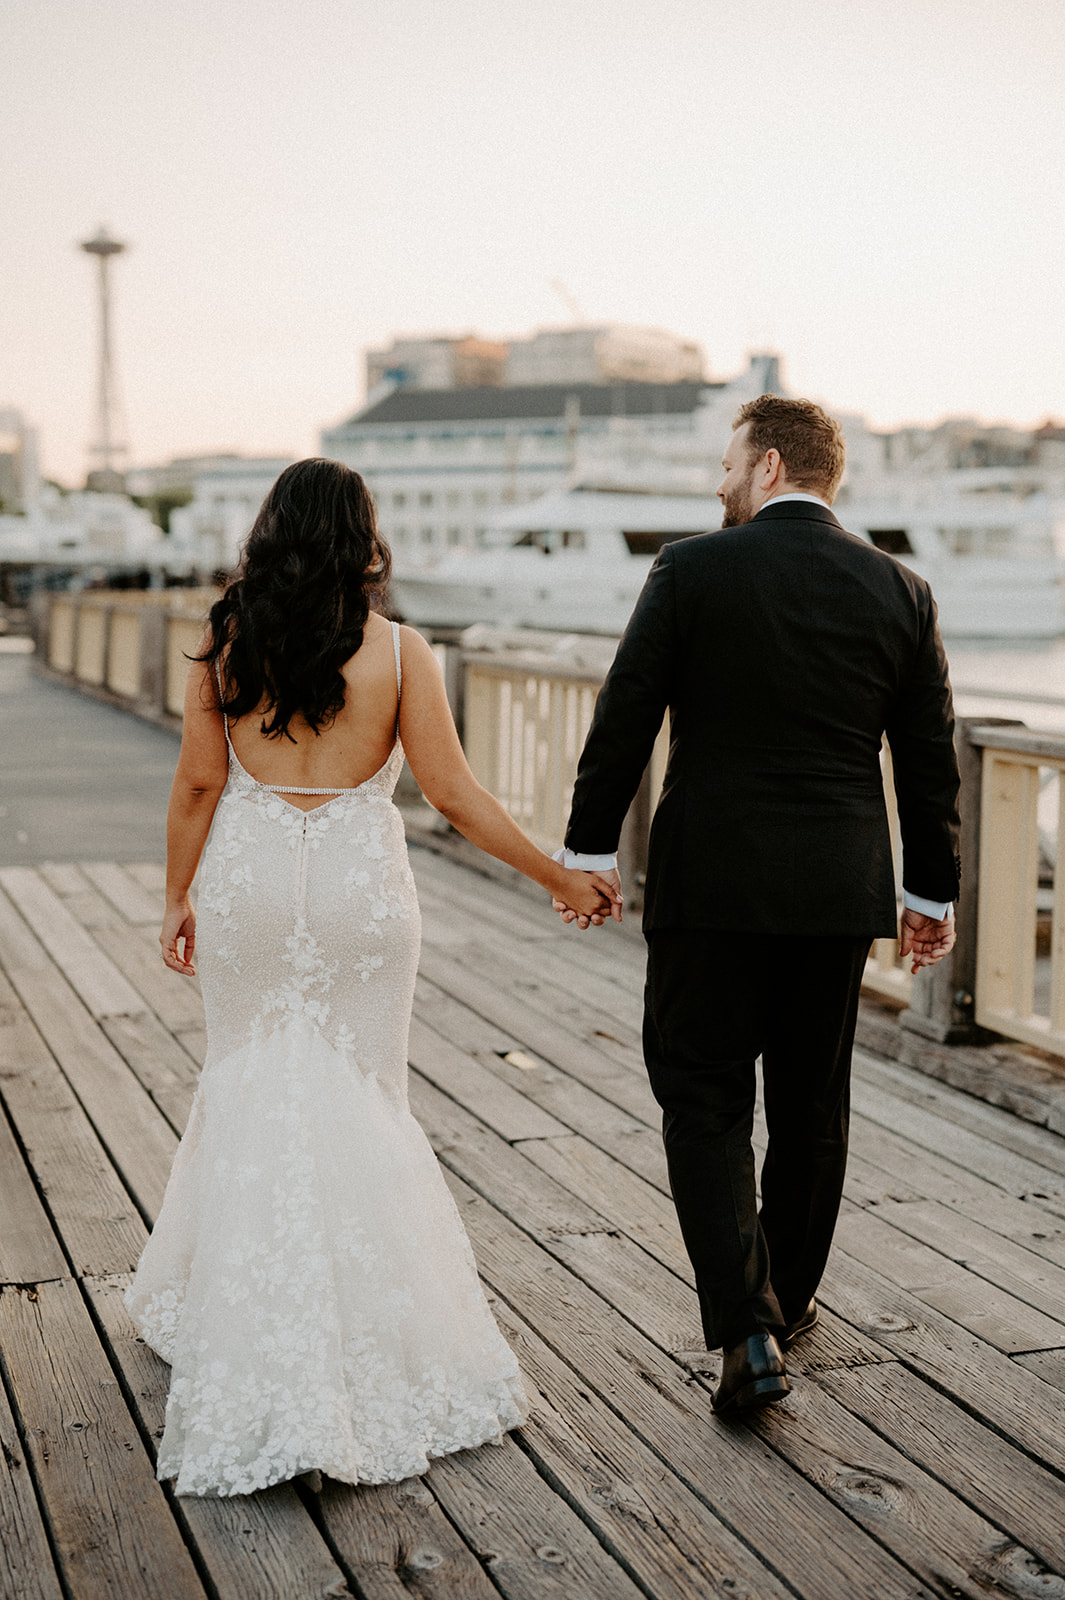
(784,649)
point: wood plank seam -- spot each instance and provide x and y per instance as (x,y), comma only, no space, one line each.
(869,1418)
(41,1194)
(28,1460)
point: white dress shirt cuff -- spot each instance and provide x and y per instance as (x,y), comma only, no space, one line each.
(939,910)
(585,863)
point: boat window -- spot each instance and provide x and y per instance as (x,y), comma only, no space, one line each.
(894,541)
(573,539)
(644,542)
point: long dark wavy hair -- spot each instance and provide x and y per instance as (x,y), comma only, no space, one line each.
(313,567)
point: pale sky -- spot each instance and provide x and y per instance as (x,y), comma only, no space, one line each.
(874,189)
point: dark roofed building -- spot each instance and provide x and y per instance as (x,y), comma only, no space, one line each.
(443,463)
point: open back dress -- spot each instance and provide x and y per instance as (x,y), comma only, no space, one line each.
(308,1278)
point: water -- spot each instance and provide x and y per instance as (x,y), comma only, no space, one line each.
(1010,678)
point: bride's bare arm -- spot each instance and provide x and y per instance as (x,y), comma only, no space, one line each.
(201,775)
(440,770)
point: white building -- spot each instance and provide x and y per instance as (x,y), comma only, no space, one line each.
(604,353)
(437,361)
(443,464)
(20,478)
(208,532)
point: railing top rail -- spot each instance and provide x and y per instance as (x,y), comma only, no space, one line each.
(518,664)
(1021,741)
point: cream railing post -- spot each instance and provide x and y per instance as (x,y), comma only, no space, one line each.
(1009,866)
(942,1005)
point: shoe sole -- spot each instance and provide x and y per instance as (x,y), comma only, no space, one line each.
(762,1392)
(807,1327)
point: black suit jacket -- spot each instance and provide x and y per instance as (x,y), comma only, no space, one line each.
(784,650)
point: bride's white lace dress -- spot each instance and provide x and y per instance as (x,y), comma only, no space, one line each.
(309,1279)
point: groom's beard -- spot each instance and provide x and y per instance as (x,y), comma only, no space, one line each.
(738,507)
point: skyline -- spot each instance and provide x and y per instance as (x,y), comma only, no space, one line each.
(873,195)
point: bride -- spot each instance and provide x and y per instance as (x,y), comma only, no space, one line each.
(308,1278)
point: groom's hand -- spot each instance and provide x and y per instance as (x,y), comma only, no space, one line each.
(924,939)
(611,881)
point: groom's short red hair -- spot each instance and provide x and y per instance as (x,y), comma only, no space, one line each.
(810,442)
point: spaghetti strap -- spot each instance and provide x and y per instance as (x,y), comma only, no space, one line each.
(399,664)
(221,697)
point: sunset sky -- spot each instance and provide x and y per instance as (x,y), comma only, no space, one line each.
(875,189)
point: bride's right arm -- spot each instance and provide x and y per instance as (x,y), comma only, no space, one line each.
(202,770)
(431,744)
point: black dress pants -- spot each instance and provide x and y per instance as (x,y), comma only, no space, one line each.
(714,1002)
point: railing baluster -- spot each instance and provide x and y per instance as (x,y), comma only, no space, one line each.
(1009,865)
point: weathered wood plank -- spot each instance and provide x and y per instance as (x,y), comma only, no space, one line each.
(533,1544)
(641,1212)
(1020,1272)
(972,1151)
(129,897)
(138,1139)
(924,1524)
(1001,1482)
(1046,1364)
(90,1208)
(94,978)
(110,1521)
(671,1542)
(629,1139)
(459,1075)
(993,1315)
(1024,1138)
(571,1230)
(263,1545)
(988,1384)
(522,976)
(150,874)
(159,1061)
(29,1249)
(194,1041)
(175,998)
(397,1543)
(27,1571)
(547,961)
(547,1038)
(64,878)
(813,1546)
(909,1169)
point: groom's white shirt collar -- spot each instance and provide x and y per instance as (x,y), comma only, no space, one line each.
(778,499)
(939,909)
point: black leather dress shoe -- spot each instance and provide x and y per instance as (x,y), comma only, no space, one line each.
(752,1375)
(787,1336)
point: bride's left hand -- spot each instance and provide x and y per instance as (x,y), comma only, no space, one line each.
(178,938)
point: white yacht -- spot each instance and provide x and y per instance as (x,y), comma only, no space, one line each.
(573,560)
(576,559)
(991,545)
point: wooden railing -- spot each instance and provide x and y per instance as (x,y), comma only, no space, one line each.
(524,716)
(131,645)
(1019,983)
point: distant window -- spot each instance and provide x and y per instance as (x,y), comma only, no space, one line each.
(894,541)
(399,499)
(454,498)
(427,536)
(573,538)
(645,543)
(454,536)
(425,498)
(480,497)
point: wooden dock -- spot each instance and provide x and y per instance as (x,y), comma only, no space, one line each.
(921,1453)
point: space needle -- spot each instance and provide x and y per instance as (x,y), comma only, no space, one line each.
(107,448)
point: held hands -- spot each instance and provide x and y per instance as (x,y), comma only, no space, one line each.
(178,938)
(926,940)
(590,898)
